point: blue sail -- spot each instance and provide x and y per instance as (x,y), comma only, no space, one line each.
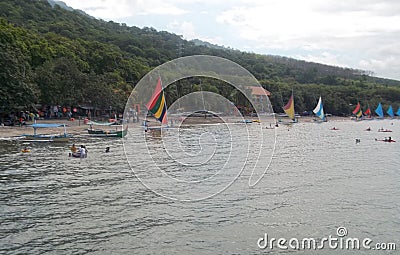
(319,110)
(390,111)
(379,110)
(398,112)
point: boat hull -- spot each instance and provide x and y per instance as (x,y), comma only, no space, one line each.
(319,120)
(246,121)
(107,133)
(47,138)
(287,122)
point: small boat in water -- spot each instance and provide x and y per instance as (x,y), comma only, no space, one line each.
(379,111)
(358,112)
(157,107)
(319,112)
(245,121)
(368,114)
(289,110)
(390,112)
(61,138)
(118,131)
(390,140)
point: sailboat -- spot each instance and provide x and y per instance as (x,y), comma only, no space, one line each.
(379,111)
(390,111)
(158,107)
(368,114)
(358,112)
(319,111)
(289,110)
(398,112)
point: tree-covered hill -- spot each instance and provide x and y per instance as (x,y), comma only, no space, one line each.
(54,56)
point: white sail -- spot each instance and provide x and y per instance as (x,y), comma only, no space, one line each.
(319,109)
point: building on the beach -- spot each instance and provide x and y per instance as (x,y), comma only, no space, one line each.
(259,95)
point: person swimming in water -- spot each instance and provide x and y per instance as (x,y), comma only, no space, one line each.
(83,151)
(73,148)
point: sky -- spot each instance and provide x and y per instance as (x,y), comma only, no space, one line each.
(359,34)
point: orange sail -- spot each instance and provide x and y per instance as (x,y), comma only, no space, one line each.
(289,108)
(368,113)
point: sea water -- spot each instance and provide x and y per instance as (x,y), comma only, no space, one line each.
(320,184)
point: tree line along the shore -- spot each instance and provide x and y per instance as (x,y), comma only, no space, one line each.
(53,56)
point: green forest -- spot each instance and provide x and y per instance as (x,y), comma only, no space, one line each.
(53,56)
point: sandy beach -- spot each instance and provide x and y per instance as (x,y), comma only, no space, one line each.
(73,127)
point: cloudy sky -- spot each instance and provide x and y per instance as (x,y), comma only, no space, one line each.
(361,34)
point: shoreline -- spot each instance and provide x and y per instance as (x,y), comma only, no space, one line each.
(78,127)
(73,127)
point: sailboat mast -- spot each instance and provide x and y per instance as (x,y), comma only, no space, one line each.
(165,100)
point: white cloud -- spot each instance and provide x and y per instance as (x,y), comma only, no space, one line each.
(383,59)
(284,23)
(338,29)
(112,9)
(188,31)
(355,33)
(184,28)
(323,58)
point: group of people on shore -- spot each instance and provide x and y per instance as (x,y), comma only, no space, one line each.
(17,119)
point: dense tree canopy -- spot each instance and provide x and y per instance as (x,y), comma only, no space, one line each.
(53,56)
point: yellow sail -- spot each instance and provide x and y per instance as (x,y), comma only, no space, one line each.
(289,108)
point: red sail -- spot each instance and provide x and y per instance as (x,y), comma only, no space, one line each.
(358,107)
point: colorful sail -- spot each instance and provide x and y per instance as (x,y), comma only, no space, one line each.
(398,112)
(368,113)
(379,110)
(319,109)
(157,105)
(390,111)
(357,111)
(289,108)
